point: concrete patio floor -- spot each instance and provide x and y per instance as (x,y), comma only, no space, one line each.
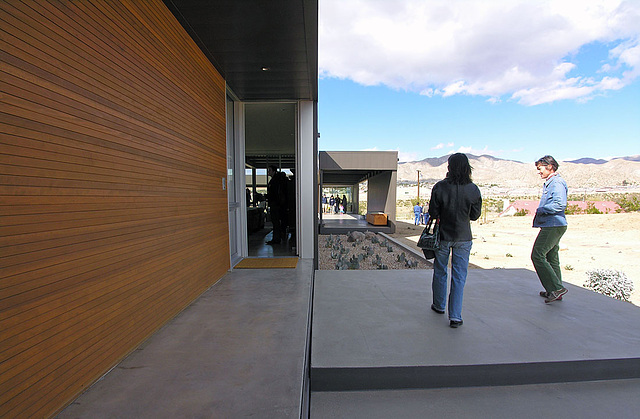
(378,351)
(239,350)
(375,330)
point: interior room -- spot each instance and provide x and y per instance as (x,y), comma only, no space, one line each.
(270,140)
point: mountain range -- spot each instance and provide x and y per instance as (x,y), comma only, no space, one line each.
(488,170)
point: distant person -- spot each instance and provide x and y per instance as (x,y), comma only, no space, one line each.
(332,203)
(324,203)
(258,199)
(456,201)
(344,203)
(417,212)
(248,194)
(425,213)
(552,222)
(336,208)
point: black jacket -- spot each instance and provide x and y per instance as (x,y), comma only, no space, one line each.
(455,205)
(277,190)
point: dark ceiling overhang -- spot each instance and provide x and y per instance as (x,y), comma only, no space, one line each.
(265,50)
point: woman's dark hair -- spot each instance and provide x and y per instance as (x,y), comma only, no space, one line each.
(459,169)
(547,161)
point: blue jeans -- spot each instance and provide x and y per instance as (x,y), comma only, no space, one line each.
(416,221)
(459,264)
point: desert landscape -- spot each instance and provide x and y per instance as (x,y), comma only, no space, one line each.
(514,175)
(593,241)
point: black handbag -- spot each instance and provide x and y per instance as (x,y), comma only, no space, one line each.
(429,240)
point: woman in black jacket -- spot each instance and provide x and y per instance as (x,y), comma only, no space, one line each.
(455,201)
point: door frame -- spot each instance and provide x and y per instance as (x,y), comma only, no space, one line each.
(238,209)
(306,168)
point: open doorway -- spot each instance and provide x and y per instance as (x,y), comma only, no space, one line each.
(338,200)
(270,141)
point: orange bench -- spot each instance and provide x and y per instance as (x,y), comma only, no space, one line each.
(377,218)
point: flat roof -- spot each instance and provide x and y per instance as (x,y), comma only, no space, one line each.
(351,167)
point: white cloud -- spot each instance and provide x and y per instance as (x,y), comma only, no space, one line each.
(478,152)
(440,146)
(513,49)
(404,156)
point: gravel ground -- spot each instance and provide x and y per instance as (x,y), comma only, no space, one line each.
(390,259)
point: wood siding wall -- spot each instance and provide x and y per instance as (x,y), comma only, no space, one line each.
(112,213)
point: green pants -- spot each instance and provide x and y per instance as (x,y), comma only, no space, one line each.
(545,257)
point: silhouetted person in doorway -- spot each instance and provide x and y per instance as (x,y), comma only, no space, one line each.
(277,199)
(291,209)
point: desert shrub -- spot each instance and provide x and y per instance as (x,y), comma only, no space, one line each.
(591,209)
(492,204)
(521,213)
(610,282)
(628,202)
(362,207)
(572,210)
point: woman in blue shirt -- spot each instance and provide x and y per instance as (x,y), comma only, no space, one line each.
(553,224)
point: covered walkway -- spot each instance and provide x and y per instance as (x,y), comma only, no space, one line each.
(345,223)
(378,351)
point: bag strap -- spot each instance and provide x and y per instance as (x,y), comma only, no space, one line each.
(431,222)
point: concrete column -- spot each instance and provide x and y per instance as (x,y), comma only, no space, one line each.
(381,196)
(306,167)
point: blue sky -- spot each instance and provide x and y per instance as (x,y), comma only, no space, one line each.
(513,79)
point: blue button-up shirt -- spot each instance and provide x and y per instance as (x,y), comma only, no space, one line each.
(550,212)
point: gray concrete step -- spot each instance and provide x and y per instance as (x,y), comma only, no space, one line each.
(375,330)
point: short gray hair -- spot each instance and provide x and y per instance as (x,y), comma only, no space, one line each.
(547,161)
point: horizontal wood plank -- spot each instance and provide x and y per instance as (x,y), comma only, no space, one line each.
(112,151)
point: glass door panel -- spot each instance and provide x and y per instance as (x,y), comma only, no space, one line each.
(232,195)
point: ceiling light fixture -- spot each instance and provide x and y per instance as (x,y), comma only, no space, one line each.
(265,69)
